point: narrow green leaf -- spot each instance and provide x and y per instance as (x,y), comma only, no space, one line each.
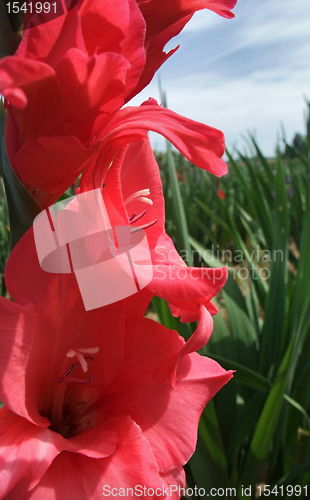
(243,374)
(264,162)
(267,423)
(206,255)
(212,215)
(273,345)
(298,407)
(208,464)
(296,473)
(262,207)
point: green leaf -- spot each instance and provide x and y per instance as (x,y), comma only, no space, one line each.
(243,374)
(206,255)
(208,464)
(298,407)
(262,208)
(273,345)
(267,423)
(295,473)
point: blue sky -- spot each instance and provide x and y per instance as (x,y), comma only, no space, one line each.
(248,73)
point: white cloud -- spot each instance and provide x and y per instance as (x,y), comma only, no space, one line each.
(250,73)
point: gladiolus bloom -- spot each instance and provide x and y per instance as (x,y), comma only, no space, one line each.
(92,398)
(133,196)
(69,78)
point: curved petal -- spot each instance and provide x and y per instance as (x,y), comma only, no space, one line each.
(38,41)
(117,27)
(32,86)
(26,451)
(133,47)
(175,481)
(201,144)
(197,341)
(72,475)
(14,355)
(188,310)
(145,392)
(96,83)
(175,282)
(104,24)
(200,336)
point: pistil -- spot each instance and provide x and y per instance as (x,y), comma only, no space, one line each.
(136,217)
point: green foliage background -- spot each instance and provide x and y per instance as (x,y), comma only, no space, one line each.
(256,430)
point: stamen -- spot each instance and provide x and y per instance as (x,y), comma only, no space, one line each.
(135,229)
(67,373)
(132,216)
(79,355)
(87,350)
(137,217)
(83,363)
(145,200)
(141,196)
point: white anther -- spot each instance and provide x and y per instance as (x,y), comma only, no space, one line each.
(140,196)
(79,354)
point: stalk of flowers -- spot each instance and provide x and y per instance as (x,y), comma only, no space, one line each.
(69,78)
(85,408)
(102,395)
(93,398)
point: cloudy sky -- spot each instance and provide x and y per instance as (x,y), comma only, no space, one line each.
(248,73)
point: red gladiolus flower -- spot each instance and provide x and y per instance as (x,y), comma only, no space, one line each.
(69,78)
(62,76)
(221,194)
(92,399)
(133,187)
(162,23)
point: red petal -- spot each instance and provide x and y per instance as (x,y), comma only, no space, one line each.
(136,170)
(52,164)
(39,84)
(26,451)
(96,83)
(133,47)
(72,475)
(202,145)
(145,393)
(174,281)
